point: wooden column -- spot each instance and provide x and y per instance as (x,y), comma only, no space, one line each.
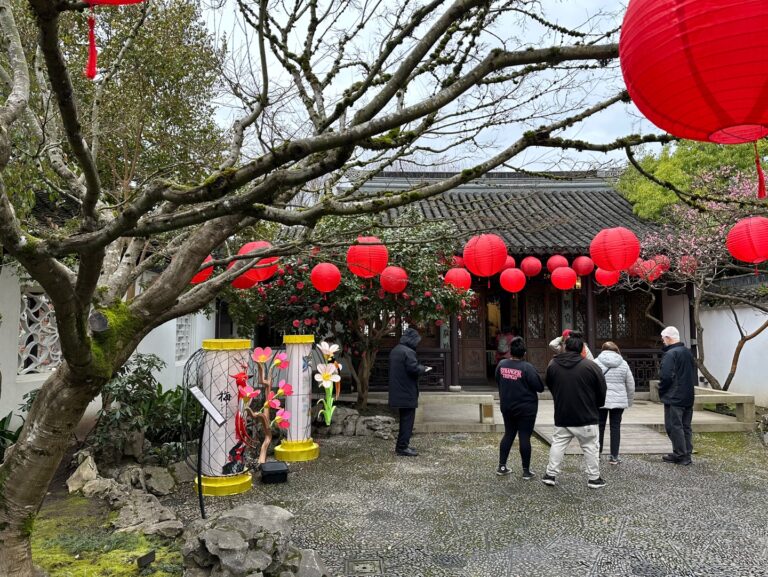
(591,321)
(453,373)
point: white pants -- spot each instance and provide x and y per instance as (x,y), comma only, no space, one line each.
(587,436)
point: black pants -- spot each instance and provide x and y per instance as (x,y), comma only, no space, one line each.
(513,425)
(615,415)
(407,417)
(677,422)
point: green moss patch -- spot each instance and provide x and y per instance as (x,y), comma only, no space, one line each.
(72,536)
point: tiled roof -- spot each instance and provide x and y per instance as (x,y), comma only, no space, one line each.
(534,215)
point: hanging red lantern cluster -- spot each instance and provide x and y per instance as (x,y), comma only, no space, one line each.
(204,274)
(556,261)
(509,263)
(583,265)
(368,257)
(485,255)
(531,266)
(564,278)
(325,277)
(614,249)
(650,271)
(696,68)
(748,240)
(607,277)
(636,269)
(459,278)
(512,280)
(394,279)
(255,275)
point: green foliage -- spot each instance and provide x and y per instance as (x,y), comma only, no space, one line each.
(681,164)
(8,434)
(136,402)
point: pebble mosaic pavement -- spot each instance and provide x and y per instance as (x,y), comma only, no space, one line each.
(446,513)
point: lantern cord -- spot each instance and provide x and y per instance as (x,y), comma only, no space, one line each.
(90,68)
(760,176)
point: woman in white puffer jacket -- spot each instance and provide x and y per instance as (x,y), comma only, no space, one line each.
(620,394)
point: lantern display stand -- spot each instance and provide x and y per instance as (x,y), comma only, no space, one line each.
(299,445)
(220,466)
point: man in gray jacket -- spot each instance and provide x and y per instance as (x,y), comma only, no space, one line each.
(677,380)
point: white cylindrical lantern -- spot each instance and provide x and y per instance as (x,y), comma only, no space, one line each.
(299,445)
(222,359)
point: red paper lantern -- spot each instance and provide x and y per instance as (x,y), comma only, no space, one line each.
(368,257)
(254,275)
(614,248)
(636,269)
(607,277)
(583,265)
(531,266)
(748,240)
(485,254)
(650,270)
(204,274)
(696,68)
(556,261)
(458,278)
(512,280)
(325,277)
(564,278)
(662,261)
(509,263)
(457,261)
(394,279)
(687,265)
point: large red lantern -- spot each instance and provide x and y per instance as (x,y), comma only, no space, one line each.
(556,261)
(564,278)
(512,280)
(509,263)
(607,277)
(394,279)
(204,274)
(368,257)
(531,266)
(697,68)
(459,278)
(325,277)
(485,254)
(583,265)
(662,261)
(254,275)
(650,270)
(614,248)
(748,240)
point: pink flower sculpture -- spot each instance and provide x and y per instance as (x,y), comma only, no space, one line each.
(281,361)
(284,388)
(261,355)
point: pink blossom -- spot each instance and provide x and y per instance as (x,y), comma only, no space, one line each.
(281,361)
(296,324)
(283,414)
(326,309)
(285,388)
(300,285)
(438,323)
(280,282)
(260,355)
(293,299)
(427,294)
(272,400)
(247,392)
(283,424)
(308,322)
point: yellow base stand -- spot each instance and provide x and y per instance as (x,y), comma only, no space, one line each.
(223,486)
(294,451)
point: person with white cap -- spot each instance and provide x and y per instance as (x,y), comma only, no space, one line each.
(677,380)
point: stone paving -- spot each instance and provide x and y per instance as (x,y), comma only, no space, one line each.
(446,513)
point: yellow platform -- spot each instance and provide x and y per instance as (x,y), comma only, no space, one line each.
(228,485)
(295,451)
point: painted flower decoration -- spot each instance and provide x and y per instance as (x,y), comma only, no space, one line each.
(272,400)
(281,361)
(327,349)
(247,392)
(326,375)
(261,355)
(284,389)
(282,418)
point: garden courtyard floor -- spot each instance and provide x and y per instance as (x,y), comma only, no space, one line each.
(446,513)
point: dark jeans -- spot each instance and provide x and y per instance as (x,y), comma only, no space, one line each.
(677,422)
(514,424)
(407,417)
(615,415)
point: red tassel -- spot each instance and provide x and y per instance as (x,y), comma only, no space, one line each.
(760,175)
(90,69)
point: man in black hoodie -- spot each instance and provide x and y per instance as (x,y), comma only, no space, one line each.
(578,387)
(677,379)
(404,371)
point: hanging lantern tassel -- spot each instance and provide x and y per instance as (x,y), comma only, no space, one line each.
(760,175)
(90,69)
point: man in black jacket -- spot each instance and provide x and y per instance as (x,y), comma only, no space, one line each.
(677,379)
(404,371)
(578,388)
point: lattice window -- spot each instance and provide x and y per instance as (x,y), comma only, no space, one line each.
(39,348)
(184,328)
(623,329)
(535,316)
(604,318)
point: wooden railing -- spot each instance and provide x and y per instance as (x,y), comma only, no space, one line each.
(644,364)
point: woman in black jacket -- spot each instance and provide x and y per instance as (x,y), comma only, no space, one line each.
(518,384)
